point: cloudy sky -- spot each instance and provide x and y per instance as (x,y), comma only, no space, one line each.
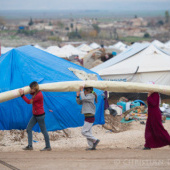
(84,4)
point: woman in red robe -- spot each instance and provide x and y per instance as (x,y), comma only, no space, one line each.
(155,134)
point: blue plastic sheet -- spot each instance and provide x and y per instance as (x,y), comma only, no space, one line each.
(19,67)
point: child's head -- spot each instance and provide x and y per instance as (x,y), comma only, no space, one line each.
(34,87)
(88,90)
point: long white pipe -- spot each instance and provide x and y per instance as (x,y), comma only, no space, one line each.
(111,86)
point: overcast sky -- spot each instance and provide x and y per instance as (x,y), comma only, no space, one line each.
(84,4)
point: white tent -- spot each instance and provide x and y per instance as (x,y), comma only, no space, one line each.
(95,45)
(55,50)
(162,46)
(148,64)
(39,47)
(158,44)
(121,46)
(5,49)
(84,48)
(73,51)
(66,51)
(167,47)
(167,44)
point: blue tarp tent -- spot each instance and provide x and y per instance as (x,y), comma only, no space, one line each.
(19,67)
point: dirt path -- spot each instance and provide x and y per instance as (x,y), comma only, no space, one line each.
(103,158)
(115,151)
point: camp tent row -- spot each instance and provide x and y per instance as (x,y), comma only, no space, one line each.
(69,50)
(139,63)
(19,67)
(82,50)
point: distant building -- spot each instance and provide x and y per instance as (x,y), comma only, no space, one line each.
(138,22)
(42,26)
(131,31)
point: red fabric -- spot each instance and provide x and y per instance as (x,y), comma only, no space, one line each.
(37,105)
(155,134)
(89,119)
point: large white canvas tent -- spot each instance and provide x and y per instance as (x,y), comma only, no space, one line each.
(132,50)
(147,64)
